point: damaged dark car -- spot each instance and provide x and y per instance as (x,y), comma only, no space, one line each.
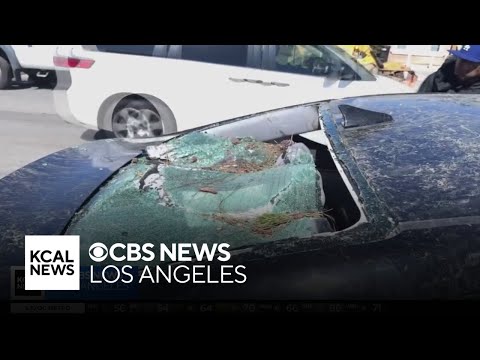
(373,197)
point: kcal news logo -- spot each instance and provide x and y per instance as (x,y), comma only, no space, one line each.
(52,262)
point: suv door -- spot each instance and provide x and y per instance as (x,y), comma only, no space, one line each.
(214,78)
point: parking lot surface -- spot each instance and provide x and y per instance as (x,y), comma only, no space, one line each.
(31,129)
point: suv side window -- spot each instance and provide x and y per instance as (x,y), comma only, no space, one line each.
(234,55)
(310,60)
(145,50)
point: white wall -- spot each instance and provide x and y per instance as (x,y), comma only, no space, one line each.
(421,50)
(429,51)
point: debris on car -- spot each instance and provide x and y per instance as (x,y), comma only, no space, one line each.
(253,191)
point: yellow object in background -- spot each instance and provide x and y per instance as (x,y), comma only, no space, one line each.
(362,53)
(365,55)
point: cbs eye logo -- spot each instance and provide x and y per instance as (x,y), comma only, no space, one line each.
(98,252)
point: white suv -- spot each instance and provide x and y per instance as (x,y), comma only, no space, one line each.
(149,90)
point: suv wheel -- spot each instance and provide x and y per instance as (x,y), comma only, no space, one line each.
(136,119)
(5,73)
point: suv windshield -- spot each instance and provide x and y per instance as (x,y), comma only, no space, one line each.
(349,60)
(319,61)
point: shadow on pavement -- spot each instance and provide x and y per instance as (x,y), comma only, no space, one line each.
(90,135)
(48,84)
(19,86)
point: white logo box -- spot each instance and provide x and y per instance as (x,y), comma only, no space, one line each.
(61,274)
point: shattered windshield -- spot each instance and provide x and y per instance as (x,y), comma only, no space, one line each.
(206,188)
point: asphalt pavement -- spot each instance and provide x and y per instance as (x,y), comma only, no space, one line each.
(31,129)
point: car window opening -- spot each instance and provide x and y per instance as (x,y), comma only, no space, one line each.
(338,199)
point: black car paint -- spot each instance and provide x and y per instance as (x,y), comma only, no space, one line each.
(400,252)
(42,197)
(424,165)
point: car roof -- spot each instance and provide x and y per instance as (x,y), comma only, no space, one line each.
(424,164)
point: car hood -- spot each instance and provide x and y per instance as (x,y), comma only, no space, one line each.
(41,198)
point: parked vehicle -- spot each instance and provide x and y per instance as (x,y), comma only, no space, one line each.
(32,60)
(149,90)
(366,198)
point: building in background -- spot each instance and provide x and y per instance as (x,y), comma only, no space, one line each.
(420,57)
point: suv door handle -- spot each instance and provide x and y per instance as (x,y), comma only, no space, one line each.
(279,84)
(237,79)
(256,81)
(260,82)
(253,81)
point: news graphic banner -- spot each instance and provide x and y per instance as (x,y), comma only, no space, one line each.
(53,263)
